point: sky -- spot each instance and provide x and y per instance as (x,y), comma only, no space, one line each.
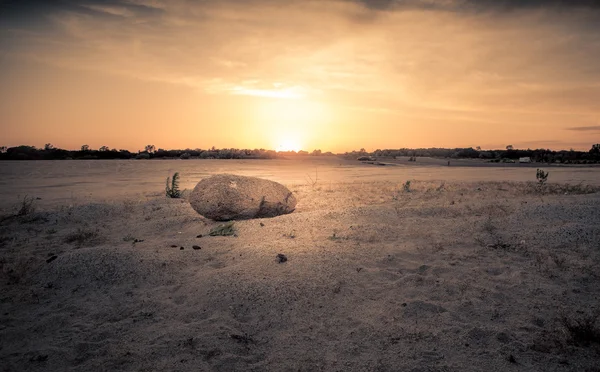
(336,75)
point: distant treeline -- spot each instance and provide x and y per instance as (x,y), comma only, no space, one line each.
(52,153)
(510,154)
(49,152)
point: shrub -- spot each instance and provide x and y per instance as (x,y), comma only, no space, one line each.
(172,189)
(406,186)
(541,176)
(26,206)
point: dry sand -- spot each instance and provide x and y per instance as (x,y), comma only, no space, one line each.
(446,277)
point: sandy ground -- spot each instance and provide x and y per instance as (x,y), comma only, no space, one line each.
(444,277)
(70,182)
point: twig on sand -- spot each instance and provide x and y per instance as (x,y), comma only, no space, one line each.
(314,182)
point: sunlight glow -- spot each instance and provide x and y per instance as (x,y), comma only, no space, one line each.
(288,93)
(289,144)
(292,125)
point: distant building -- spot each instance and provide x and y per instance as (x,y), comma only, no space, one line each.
(366,158)
(526,159)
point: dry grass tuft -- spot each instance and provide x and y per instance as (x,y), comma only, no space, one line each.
(82,236)
(227,229)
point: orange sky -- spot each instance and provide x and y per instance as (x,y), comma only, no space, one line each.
(334,75)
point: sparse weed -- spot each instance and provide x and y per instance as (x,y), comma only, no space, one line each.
(406,186)
(559,261)
(26,206)
(334,236)
(497,242)
(128,238)
(172,188)
(291,234)
(542,178)
(129,206)
(226,229)
(313,182)
(82,236)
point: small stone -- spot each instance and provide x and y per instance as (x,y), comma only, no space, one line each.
(199,236)
(281,258)
(173,246)
(196,247)
(51,259)
(181,248)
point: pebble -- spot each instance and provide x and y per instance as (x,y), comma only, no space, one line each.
(281,258)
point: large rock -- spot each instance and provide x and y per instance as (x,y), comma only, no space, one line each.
(227,197)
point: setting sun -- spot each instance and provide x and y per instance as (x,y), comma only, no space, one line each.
(289,144)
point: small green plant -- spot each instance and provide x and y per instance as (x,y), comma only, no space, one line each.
(541,176)
(406,186)
(226,229)
(172,189)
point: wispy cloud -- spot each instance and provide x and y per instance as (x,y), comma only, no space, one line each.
(528,64)
(592,128)
(425,55)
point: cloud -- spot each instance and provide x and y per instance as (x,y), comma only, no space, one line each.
(592,128)
(414,58)
(480,5)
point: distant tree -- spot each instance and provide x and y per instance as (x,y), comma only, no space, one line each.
(150,149)
(3,149)
(478,148)
(85,148)
(316,152)
(48,147)
(595,149)
(104,148)
(509,147)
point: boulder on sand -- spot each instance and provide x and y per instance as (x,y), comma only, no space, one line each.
(227,197)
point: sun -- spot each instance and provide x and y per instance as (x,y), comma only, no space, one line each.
(289,144)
